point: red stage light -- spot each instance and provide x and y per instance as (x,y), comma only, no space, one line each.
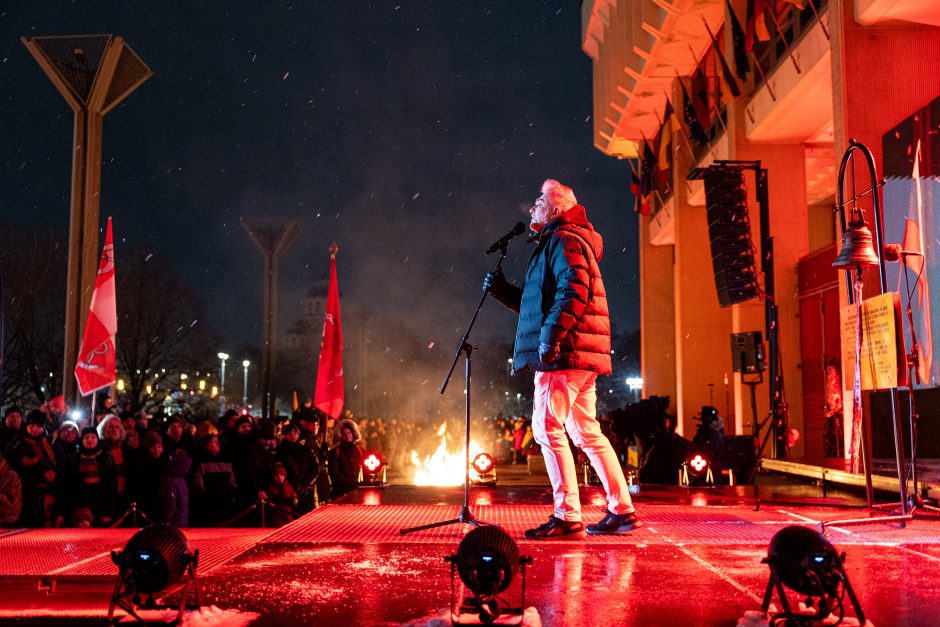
(483,463)
(698,463)
(372,463)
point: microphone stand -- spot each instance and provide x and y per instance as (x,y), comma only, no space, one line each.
(913,377)
(465,348)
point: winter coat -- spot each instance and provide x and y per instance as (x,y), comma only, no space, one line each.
(11,496)
(94,489)
(174,491)
(301,462)
(213,490)
(344,468)
(563,300)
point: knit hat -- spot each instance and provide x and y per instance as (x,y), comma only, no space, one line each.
(242,420)
(66,425)
(152,438)
(12,409)
(203,441)
(87,430)
(36,417)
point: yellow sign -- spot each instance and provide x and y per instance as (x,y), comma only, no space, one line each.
(882,363)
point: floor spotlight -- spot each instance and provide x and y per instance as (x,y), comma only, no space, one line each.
(153,560)
(483,469)
(804,561)
(696,471)
(372,470)
(487,559)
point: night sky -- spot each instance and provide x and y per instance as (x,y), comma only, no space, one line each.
(412,133)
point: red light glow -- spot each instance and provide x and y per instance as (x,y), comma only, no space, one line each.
(698,463)
(483,463)
(372,463)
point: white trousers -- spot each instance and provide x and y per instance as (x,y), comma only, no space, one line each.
(566,400)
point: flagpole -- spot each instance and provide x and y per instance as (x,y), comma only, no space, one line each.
(763,76)
(773,15)
(812,4)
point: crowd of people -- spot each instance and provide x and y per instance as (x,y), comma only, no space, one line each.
(189,471)
(230,470)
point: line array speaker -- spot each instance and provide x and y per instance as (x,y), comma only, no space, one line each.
(729,231)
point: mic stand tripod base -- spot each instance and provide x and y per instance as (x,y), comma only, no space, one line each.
(465,517)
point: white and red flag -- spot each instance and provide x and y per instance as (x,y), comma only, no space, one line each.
(329,395)
(96,367)
(914,242)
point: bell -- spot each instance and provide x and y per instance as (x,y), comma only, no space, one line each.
(857,249)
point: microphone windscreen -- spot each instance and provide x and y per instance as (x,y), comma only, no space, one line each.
(519,228)
(892,252)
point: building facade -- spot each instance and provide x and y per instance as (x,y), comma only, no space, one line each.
(803,77)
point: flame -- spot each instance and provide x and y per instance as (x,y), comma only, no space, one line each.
(443,467)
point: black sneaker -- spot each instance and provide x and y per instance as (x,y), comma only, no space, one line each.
(556,528)
(615,523)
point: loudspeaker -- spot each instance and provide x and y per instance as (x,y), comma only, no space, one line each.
(729,232)
(747,352)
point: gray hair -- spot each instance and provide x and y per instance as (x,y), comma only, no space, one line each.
(560,196)
(104,423)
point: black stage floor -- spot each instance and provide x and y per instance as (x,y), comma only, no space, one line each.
(696,561)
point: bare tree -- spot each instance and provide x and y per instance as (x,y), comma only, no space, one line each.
(33,310)
(161,328)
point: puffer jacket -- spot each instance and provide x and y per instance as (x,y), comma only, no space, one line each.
(563,299)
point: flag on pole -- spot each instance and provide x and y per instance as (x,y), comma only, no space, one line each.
(696,132)
(641,203)
(755,25)
(96,367)
(647,170)
(329,395)
(667,135)
(914,242)
(726,73)
(738,43)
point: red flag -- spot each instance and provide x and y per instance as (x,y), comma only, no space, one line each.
(756,23)
(329,395)
(914,242)
(96,367)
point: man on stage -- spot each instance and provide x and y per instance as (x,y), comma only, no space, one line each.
(563,336)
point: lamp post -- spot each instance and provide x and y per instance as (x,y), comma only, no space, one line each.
(245,363)
(222,357)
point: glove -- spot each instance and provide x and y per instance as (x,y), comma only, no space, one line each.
(493,281)
(548,352)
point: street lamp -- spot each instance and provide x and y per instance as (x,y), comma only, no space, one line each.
(223,357)
(245,363)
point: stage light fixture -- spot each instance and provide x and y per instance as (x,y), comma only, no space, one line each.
(804,561)
(370,468)
(697,471)
(483,469)
(487,560)
(153,560)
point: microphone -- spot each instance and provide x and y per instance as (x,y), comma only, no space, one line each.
(893,252)
(499,244)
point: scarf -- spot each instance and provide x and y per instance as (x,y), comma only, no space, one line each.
(117,455)
(88,467)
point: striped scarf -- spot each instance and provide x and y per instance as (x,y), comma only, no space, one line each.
(88,469)
(117,454)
